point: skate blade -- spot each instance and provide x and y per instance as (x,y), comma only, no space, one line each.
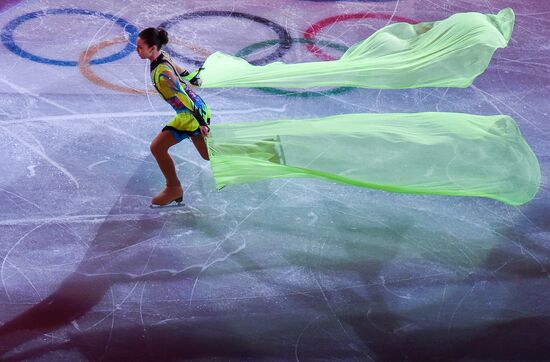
(170,205)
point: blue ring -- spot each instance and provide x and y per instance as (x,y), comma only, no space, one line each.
(9,43)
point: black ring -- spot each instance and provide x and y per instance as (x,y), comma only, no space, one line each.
(285,41)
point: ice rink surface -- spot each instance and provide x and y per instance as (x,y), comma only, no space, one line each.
(277,270)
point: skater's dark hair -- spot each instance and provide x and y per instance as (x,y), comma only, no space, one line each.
(154,36)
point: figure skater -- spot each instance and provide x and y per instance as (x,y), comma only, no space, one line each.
(192,114)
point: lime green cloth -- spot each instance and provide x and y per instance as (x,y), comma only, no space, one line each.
(424,153)
(446,53)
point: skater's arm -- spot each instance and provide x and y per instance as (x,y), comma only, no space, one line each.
(183,73)
(169,87)
(193,77)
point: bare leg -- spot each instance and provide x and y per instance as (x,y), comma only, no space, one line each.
(159,148)
(200,145)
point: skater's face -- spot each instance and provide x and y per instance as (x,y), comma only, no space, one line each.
(144,51)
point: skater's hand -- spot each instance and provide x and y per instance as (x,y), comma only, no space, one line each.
(196,81)
(204,131)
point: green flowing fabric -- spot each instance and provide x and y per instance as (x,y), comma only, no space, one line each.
(424,153)
(446,53)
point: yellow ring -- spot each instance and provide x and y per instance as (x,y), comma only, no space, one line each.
(88,54)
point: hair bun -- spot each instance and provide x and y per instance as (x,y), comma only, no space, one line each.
(163,36)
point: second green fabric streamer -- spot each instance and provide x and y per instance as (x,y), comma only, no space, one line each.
(424,153)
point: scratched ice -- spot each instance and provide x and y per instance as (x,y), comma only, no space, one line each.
(287,269)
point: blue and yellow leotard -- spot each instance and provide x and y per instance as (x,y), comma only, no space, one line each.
(191,111)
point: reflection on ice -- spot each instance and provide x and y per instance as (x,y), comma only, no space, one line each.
(282,269)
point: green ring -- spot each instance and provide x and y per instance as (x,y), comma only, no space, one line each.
(260,45)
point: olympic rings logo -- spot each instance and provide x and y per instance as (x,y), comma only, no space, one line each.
(283,41)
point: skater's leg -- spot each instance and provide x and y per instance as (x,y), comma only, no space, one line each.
(159,148)
(200,145)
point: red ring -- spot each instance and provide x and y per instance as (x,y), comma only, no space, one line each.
(312,31)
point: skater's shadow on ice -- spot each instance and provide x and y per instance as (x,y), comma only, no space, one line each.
(97,272)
